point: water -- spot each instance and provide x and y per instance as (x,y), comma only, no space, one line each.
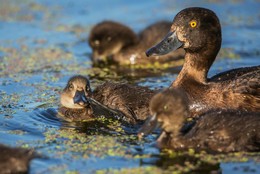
(43,43)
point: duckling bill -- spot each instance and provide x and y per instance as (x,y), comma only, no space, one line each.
(218,131)
(198,31)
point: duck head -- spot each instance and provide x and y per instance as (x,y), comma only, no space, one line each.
(75,94)
(109,38)
(195,29)
(169,110)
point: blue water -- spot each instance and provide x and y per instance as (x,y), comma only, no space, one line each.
(43,43)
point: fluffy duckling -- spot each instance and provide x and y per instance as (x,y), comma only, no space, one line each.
(214,131)
(198,32)
(125,102)
(15,160)
(113,42)
(76,104)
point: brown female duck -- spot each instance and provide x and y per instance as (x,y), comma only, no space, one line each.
(128,103)
(213,131)
(198,31)
(15,160)
(116,43)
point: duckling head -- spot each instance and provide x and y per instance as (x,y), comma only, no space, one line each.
(75,94)
(107,39)
(169,110)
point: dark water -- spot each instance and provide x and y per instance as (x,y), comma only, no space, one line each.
(43,43)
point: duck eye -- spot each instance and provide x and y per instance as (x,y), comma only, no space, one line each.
(165,107)
(193,23)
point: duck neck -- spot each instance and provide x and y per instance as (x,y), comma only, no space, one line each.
(196,66)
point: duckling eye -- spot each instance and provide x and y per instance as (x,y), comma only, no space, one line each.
(71,87)
(193,23)
(165,107)
(96,42)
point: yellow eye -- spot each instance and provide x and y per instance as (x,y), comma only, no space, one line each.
(165,107)
(193,23)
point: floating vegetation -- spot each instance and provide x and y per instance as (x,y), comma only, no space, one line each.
(47,43)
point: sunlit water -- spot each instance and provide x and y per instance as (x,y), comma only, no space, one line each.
(43,43)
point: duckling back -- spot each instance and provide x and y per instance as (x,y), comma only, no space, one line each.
(148,37)
(132,100)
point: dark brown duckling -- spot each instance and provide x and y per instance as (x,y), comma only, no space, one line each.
(198,31)
(213,131)
(124,102)
(15,160)
(76,104)
(116,43)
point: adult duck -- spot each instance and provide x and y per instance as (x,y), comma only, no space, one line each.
(213,131)
(115,43)
(198,31)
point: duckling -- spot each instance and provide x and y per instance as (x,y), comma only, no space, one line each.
(127,103)
(218,131)
(116,43)
(76,104)
(198,31)
(15,160)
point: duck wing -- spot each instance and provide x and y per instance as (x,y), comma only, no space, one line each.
(243,83)
(249,83)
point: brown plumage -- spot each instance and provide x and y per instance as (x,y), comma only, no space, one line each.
(132,100)
(125,102)
(76,104)
(15,160)
(116,43)
(213,131)
(198,31)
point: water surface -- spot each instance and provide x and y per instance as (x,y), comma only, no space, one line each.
(43,43)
